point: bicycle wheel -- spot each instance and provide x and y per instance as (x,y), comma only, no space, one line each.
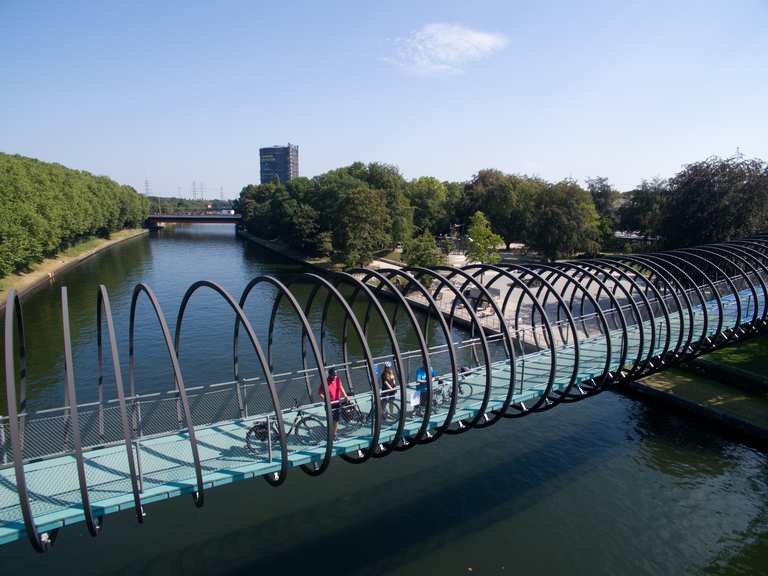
(256,438)
(310,431)
(352,417)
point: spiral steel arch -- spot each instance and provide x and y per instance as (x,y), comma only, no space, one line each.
(581,327)
(172,346)
(283,291)
(104,309)
(276,478)
(94,524)
(40,542)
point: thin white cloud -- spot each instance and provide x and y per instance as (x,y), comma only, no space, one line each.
(443,49)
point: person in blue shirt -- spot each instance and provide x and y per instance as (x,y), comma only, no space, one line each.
(419,396)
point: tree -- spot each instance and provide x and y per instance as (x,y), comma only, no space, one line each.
(303,230)
(256,208)
(483,242)
(47,207)
(507,201)
(387,177)
(716,200)
(499,204)
(565,221)
(423,251)
(360,228)
(644,210)
(604,197)
(453,196)
(428,196)
(401,215)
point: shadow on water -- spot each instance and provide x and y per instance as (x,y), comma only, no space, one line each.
(670,452)
(377,529)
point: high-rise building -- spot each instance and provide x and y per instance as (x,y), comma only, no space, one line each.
(279,161)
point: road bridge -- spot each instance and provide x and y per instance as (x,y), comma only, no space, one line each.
(561,333)
(194,218)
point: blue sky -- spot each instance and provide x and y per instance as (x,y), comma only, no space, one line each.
(183,91)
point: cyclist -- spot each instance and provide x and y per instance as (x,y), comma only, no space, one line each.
(388,389)
(335,392)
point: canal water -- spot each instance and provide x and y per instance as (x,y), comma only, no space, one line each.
(606,486)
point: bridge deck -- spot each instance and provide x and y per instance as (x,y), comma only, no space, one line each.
(166,460)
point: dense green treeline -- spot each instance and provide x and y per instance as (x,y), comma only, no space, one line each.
(174,205)
(352,212)
(709,201)
(46,207)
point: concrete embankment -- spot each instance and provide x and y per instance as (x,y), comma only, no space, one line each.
(744,411)
(326,266)
(46,271)
(285,252)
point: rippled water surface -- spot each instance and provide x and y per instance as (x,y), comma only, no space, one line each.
(607,486)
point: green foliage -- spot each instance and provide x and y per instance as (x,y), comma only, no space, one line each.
(173,205)
(604,198)
(429,198)
(565,221)
(46,207)
(361,228)
(401,214)
(558,219)
(319,215)
(483,242)
(716,200)
(643,212)
(423,251)
(506,199)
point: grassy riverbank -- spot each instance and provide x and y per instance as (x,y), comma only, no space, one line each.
(726,386)
(48,268)
(750,355)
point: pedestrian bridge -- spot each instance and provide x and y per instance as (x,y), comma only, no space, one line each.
(533,337)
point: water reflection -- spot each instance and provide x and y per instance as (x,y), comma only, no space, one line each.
(679,445)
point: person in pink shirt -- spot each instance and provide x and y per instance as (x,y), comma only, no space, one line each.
(335,393)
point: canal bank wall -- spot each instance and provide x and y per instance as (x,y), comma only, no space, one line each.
(46,271)
(731,407)
(284,251)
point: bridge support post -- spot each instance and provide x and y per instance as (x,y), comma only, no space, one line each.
(522,355)
(2,445)
(239,393)
(137,443)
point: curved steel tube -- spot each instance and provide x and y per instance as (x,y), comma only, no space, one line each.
(172,347)
(94,524)
(103,306)
(41,543)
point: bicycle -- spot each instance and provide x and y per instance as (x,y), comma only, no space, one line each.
(442,393)
(352,414)
(307,429)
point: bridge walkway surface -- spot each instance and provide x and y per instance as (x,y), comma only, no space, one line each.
(165,461)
